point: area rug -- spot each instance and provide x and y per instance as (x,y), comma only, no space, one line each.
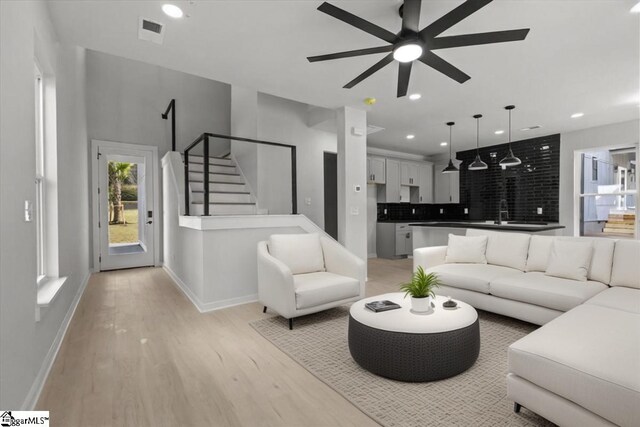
(477,397)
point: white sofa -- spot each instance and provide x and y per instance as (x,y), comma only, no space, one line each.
(301,274)
(583,366)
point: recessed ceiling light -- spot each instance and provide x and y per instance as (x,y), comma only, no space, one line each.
(172,10)
(410,136)
(636,8)
(577,115)
(415,96)
(499,132)
(443,144)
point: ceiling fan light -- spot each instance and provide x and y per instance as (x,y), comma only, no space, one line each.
(478,164)
(450,168)
(510,160)
(407,52)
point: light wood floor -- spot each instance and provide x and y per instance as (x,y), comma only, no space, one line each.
(137,353)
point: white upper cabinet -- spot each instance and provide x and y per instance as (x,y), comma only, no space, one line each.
(390,192)
(409,173)
(424,193)
(376,170)
(446,185)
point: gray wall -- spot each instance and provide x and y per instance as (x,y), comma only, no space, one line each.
(285,121)
(26,346)
(125,99)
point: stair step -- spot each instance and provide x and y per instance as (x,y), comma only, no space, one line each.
(197,209)
(222,197)
(233,187)
(222,161)
(217,177)
(226,169)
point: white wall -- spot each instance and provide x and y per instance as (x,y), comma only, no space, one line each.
(125,100)
(285,121)
(617,134)
(27,346)
(244,124)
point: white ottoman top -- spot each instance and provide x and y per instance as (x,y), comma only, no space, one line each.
(403,319)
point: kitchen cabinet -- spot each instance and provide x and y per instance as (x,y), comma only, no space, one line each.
(446,185)
(423,193)
(390,192)
(394,240)
(408,173)
(376,170)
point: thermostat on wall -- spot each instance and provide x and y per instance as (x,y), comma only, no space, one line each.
(356,188)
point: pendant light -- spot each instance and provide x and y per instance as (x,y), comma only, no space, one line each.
(451,168)
(478,164)
(510,160)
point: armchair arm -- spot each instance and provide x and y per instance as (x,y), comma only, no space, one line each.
(429,256)
(338,260)
(275,283)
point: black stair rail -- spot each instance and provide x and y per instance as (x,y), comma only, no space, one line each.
(165,116)
(205,161)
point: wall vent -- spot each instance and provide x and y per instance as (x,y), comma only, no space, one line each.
(373,129)
(150,30)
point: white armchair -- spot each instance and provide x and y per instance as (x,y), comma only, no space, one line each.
(301,274)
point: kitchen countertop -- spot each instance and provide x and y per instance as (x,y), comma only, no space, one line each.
(487,225)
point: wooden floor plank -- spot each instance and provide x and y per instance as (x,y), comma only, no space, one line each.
(138,353)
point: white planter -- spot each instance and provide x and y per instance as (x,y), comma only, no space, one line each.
(421,305)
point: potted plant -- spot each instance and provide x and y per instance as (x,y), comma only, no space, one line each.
(421,288)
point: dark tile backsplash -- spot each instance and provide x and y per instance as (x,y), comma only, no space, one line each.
(533,184)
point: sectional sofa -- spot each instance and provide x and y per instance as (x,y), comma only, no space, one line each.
(582,367)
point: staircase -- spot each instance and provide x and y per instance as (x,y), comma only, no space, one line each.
(228,194)
(620,223)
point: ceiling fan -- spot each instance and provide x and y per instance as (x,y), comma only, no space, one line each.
(412,44)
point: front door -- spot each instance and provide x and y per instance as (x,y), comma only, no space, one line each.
(125,206)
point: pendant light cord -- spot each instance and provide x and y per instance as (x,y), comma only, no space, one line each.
(509,128)
(450,133)
(478,135)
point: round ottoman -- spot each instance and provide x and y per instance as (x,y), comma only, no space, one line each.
(407,346)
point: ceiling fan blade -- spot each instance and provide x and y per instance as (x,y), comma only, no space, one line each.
(439,64)
(377,66)
(404,72)
(452,18)
(350,53)
(479,38)
(411,16)
(358,22)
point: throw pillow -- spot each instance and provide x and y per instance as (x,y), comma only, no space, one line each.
(465,249)
(302,253)
(570,259)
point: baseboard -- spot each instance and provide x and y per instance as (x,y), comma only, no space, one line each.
(372,255)
(36,388)
(204,307)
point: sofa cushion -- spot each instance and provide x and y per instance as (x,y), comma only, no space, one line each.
(539,252)
(546,291)
(626,264)
(313,289)
(570,259)
(474,277)
(506,249)
(590,356)
(466,249)
(619,297)
(302,253)
(600,268)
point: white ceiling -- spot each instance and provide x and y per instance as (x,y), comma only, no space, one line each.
(580,56)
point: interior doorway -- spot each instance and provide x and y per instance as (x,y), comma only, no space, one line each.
(331,194)
(124,205)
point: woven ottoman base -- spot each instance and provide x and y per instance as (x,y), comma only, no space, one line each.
(414,357)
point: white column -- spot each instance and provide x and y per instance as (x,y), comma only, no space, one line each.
(352,180)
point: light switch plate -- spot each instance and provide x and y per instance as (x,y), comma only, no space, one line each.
(355,211)
(441,211)
(357,131)
(539,211)
(307,201)
(28,210)
(466,210)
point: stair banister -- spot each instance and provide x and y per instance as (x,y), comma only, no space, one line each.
(171,107)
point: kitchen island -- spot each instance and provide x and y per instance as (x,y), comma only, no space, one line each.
(436,233)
